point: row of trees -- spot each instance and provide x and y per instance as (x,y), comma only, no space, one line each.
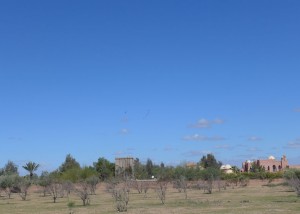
(71,170)
(70,177)
(105,169)
(11,168)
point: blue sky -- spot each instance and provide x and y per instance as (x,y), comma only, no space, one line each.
(166,80)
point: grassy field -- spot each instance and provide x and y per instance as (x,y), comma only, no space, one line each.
(257,197)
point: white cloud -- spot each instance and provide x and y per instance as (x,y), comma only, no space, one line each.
(254,138)
(204,123)
(197,137)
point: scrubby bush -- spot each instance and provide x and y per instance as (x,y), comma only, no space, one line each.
(92,183)
(292,177)
(121,197)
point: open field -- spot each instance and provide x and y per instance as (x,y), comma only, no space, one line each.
(257,197)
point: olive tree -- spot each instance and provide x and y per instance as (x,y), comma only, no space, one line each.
(44,181)
(23,184)
(8,183)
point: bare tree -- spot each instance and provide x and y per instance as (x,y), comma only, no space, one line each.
(292,177)
(206,186)
(209,185)
(138,186)
(181,185)
(23,185)
(55,189)
(294,182)
(82,190)
(146,187)
(161,190)
(67,187)
(220,184)
(92,183)
(121,198)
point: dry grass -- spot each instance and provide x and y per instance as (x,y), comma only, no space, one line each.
(255,198)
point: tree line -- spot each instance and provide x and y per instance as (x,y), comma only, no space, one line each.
(83,180)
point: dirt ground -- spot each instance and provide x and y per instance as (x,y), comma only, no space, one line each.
(258,197)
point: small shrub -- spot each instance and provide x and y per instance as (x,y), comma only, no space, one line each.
(71,204)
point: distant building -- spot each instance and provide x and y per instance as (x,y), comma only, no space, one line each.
(191,165)
(226,169)
(124,166)
(270,164)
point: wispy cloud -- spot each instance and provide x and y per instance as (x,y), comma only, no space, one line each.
(15,139)
(197,137)
(196,153)
(124,131)
(294,144)
(254,138)
(123,153)
(254,149)
(297,109)
(224,146)
(204,123)
(118,153)
(168,149)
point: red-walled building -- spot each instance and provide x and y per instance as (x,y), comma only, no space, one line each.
(270,164)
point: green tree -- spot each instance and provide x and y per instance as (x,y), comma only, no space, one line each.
(149,167)
(104,168)
(256,168)
(235,169)
(8,183)
(166,173)
(31,167)
(69,163)
(92,184)
(139,170)
(10,168)
(210,161)
(44,181)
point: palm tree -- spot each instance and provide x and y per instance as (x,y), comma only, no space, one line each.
(31,167)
